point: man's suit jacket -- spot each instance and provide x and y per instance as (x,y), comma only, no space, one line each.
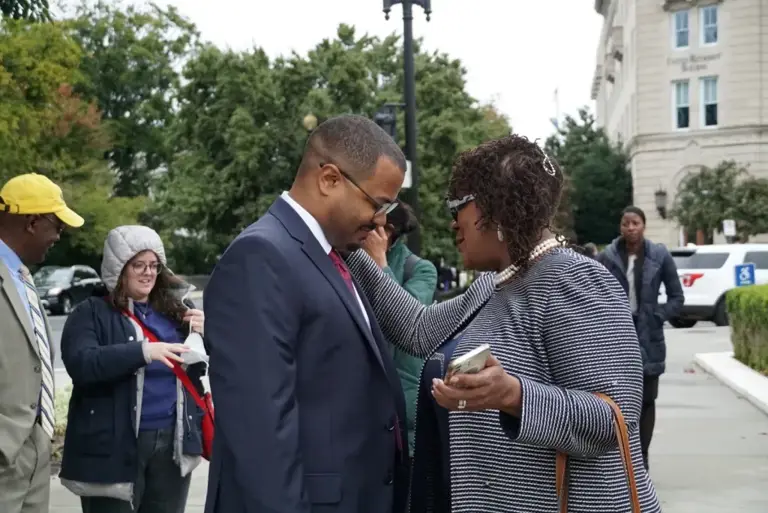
(20,371)
(306,395)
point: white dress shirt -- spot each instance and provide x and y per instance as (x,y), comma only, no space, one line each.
(317,231)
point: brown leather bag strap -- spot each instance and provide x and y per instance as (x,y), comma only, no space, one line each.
(622,437)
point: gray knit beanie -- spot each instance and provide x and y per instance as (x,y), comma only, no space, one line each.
(122,244)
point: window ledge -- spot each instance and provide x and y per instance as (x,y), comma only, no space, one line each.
(676,5)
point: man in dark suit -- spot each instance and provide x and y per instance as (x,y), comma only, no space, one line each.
(309,410)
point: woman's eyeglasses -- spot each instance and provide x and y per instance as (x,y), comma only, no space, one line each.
(455,206)
(141,267)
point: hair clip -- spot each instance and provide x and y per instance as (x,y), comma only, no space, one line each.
(548,167)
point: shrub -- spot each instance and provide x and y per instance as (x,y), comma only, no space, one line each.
(62,407)
(748,314)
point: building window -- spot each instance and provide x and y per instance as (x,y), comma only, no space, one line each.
(682,28)
(682,104)
(708,16)
(709,101)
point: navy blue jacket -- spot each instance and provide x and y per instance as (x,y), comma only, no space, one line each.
(657,267)
(306,396)
(102,356)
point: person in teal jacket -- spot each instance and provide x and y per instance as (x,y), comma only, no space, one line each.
(416,275)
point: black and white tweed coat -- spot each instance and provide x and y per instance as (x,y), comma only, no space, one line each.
(564,328)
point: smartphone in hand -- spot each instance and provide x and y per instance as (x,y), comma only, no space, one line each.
(470,363)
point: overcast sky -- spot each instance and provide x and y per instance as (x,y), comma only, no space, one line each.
(516,52)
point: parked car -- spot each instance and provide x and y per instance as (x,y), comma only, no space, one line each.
(61,288)
(707,273)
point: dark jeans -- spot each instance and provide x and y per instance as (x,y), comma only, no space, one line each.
(648,414)
(159,487)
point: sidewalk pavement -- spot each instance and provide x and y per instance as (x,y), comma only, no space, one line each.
(710,448)
(62,501)
(709,453)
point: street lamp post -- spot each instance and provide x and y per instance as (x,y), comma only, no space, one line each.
(386,118)
(414,239)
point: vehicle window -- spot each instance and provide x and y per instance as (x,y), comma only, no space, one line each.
(53,276)
(759,258)
(82,275)
(90,274)
(681,257)
(706,261)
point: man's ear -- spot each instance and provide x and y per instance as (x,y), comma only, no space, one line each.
(30,222)
(328,179)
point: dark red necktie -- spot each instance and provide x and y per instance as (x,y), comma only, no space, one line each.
(341,266)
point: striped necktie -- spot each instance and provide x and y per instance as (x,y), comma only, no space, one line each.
(38,323)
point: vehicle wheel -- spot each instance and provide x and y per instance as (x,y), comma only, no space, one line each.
(66,305)
(682,323)
(721,314)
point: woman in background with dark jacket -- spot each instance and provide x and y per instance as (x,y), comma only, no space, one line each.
(134,434)
(416,275)
(641,266)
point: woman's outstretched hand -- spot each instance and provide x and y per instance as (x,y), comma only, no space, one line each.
(490,389)
(166,353)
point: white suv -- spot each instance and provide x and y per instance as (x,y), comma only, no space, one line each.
(707,273)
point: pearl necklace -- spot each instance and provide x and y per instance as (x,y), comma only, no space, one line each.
(509,272)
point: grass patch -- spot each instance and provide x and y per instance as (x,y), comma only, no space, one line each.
(62,407)
(748,317)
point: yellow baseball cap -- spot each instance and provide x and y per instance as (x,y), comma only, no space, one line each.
(33,193)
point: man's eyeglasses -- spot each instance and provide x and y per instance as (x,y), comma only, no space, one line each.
(56,222)
(381,208)
(455,206)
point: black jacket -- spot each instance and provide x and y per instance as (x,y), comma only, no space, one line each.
(653,267)
(102,356)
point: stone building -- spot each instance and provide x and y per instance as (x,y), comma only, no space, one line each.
(684,84)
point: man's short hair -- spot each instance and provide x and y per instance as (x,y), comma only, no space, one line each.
(358,141)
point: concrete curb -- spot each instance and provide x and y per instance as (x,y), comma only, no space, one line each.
(749,384)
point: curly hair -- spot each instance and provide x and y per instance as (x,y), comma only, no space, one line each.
(516,187)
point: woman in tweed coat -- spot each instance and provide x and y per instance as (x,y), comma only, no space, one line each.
(559,328)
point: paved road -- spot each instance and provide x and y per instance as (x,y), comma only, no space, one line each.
(709,454)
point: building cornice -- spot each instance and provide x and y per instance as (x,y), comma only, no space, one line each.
(676,5)
(677,140)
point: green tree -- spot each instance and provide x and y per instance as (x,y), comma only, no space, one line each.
(750,210)
(239,126)
(707,197)
(31,10)
(130,62)
(46,127)
(599,179)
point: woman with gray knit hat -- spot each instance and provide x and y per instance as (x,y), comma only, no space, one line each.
(134,433)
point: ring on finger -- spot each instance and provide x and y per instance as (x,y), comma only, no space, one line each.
(462,404)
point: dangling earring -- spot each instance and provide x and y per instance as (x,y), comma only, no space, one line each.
(500,234)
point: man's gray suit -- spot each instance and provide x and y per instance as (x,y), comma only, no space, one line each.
(25,450)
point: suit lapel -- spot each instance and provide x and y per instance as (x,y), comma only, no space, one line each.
(12,296)
(323,262)
(380,341)
(298,229)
